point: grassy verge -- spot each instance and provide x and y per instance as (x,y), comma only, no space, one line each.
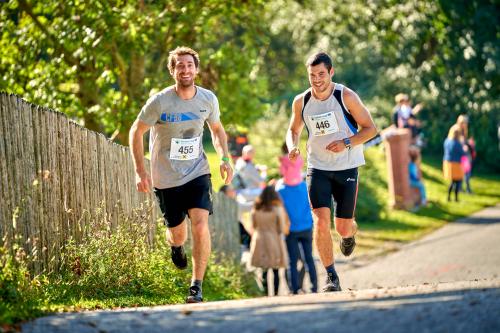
(383,229)
(393,227)
(118,269)
(112,268)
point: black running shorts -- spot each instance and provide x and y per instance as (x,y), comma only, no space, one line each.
(175,202)
(342,185)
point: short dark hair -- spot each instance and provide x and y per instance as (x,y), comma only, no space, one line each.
(320,58)
(182,50)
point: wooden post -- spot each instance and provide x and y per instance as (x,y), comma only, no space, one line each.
(397,143)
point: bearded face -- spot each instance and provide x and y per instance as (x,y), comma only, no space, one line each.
(185,71)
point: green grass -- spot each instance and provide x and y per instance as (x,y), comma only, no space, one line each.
(382,229)
(109,270)
(393,227)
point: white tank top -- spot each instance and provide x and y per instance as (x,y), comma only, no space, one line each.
(325,122)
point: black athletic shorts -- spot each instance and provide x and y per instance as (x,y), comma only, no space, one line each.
(342,185)
(175,202)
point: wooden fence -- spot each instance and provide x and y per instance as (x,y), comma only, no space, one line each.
(55,173)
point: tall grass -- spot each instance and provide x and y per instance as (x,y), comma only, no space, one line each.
(111,267)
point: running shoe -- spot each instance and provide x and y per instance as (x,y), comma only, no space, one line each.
(347,245)
(195,295)
(332,284)
(179,257)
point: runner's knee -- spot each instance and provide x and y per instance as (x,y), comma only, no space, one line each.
(199,226)
(323,224)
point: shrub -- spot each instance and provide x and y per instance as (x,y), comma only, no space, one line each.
(112,266)
(18,291)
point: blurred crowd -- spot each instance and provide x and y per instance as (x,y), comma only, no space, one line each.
(459,149)
(459,155)
(275,223)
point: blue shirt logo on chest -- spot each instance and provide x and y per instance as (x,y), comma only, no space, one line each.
(178,117)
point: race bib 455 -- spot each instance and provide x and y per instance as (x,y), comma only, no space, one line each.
(184,149)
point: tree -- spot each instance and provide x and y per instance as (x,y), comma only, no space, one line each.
(98,61)
(442,53)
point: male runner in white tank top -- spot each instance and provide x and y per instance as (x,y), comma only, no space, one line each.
(179,167)
(338,124)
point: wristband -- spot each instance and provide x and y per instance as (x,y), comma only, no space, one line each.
(225,159)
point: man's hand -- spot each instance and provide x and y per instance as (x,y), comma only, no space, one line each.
(226,172)
(143,182)
(293,154)
(336,146)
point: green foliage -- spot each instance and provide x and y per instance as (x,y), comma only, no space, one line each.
(442,53)
(18,291)
(113,266)
(98,61)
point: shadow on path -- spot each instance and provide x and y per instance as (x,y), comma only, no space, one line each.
(458,311)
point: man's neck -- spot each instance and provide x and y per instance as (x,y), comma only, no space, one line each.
(325,94)
(185,92)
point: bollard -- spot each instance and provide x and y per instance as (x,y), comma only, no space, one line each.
(397,143)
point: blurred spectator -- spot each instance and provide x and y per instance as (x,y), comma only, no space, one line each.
(463,124)
(290,171)
(465,162)
(249,178)
(467,159)
(453,152)
(414,129)
(472,146)
(469,150)
(269,223)
(415,126)
(236,143)
(402,110)
(296,201)
(416,176)
(252,175)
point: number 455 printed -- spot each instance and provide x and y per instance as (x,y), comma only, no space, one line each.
(184,149)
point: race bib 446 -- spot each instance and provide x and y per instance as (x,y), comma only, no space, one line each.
(323,124)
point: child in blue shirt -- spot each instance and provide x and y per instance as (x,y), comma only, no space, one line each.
(415,178)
